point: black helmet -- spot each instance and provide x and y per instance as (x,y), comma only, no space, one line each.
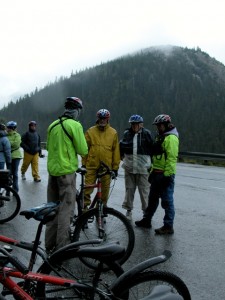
(161,119)
(73,103)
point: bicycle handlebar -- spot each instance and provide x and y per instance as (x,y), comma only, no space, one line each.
(83,171)
(15,261)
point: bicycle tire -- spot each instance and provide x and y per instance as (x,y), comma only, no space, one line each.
(143,283)
(118,229)
(73,268)
(9,205)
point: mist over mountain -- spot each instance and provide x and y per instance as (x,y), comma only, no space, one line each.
(185,83)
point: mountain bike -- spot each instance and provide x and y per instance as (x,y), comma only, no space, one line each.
(10,202)
(101,221)
(136,283)
(67,261)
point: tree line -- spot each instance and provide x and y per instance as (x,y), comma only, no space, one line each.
(185,83)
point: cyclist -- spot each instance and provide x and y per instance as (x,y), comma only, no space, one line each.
(135,151)
(103,145)
(15,140)
(31,143)
(162,176)
(65,140)
(5,148)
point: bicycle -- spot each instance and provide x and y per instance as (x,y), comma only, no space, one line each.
(136,283)
(69,258)
(101,221)
(10,202)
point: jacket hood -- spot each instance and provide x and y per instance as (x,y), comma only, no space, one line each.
(172,131)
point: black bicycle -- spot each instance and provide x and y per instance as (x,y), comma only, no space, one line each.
(99,221)
(10,202)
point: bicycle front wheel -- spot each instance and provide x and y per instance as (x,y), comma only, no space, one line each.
(116,229)
(143,284)
(10,204)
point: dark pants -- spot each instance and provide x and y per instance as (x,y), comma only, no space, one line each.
(14,172)
(159,190)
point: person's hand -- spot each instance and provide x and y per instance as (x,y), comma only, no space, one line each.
(115,174)
(41,155)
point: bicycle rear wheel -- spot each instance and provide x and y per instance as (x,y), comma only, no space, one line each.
(10,204)
(116,229)
(143,284)
(73,268)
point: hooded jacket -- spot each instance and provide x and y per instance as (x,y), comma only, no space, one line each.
(167,159)
(62,152)
(15,141)
(5,148)
(103,145)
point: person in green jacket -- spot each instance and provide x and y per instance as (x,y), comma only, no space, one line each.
(162,175)
(65,141)
(16,154)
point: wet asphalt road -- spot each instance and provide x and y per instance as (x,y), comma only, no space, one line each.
(197,245)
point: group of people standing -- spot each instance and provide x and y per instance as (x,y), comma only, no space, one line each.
(149,165)
(10,151)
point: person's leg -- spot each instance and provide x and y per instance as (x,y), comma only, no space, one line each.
(90,178)
(15,167)
(130,187)
(167,203)
(26,162)
(153,201)
(67,195)
(105,188)
(143,188)
(51,227)
(34,167)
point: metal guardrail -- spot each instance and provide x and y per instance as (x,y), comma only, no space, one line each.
(186,154)
(202,156)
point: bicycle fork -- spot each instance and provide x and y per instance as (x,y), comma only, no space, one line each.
(100,221)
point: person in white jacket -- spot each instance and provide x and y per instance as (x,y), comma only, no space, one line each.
(135,151)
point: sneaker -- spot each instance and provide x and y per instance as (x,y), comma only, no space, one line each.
(145,222)
(164,230)
(129,215)
(37,179)
(23,176)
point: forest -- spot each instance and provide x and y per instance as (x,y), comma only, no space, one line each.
(187,84)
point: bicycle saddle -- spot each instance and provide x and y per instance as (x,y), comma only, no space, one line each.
(106,251)
(45,212)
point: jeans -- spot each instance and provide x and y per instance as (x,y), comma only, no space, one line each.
(14,172)
(159,190)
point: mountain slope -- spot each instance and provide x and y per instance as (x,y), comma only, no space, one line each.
(186,83)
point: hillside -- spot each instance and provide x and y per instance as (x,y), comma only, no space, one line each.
(186,83)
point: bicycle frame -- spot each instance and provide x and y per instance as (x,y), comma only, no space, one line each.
(16,290)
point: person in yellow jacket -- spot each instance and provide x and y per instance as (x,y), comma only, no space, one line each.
(103,145)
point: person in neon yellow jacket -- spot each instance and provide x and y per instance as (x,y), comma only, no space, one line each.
(103,145)
(65,141)
(162,176)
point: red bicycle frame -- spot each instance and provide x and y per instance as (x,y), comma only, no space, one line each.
(15,289)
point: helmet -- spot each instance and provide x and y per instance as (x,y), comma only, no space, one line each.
(161,119)
(73,103)
(136,119)
(2,127)
(103,114)
(11,125)
(32,123)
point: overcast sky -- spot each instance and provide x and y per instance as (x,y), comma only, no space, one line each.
(45,39)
